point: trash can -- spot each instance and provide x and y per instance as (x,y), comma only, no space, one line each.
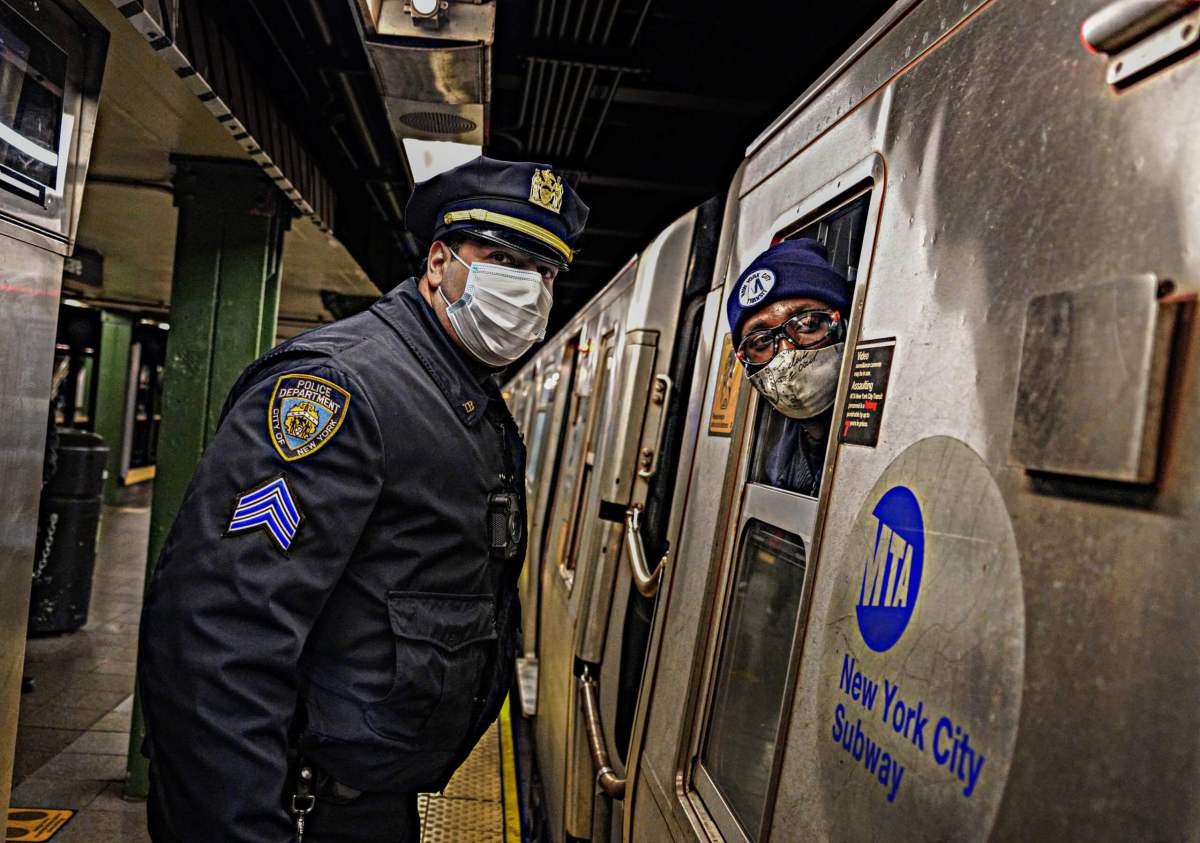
(68,521)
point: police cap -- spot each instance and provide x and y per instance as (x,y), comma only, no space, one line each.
(516,203)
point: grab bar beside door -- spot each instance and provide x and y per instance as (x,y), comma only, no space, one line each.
(612,785)
(645,580)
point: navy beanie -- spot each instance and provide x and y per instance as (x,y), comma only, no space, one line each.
(788,270)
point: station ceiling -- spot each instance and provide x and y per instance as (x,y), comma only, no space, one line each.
(649,105)
(146,114)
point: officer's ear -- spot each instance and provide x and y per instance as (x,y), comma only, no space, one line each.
(436,262)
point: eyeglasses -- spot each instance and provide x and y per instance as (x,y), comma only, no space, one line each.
(805,329)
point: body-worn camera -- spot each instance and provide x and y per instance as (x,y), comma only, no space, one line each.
(504,525)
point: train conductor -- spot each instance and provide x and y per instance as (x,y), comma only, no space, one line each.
(333,619)
(787,313)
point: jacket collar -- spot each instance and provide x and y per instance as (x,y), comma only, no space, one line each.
(413,319)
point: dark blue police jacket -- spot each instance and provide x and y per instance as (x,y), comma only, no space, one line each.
(327,583)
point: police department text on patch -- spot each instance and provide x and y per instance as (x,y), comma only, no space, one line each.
(305,412)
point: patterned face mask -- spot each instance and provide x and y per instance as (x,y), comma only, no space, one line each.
(801,383)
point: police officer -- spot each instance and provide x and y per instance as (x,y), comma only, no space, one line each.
(787,313)
(332,622)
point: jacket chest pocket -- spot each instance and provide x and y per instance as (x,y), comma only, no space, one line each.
(442,644)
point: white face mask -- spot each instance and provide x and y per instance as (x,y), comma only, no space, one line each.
(501,313)
(801,383)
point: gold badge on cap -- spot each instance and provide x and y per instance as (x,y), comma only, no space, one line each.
(546,190)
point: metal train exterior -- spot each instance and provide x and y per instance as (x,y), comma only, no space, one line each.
(985,626)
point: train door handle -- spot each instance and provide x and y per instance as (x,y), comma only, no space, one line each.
(645,580)
(1140,36)
(648,459)
(606,776)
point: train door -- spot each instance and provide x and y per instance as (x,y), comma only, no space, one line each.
(552,381)
(591,351)
(631,511)
(767,567)
(521,395)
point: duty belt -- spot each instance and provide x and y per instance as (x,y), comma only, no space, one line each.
(313,785)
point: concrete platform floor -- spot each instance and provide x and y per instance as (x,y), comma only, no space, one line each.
(73,733)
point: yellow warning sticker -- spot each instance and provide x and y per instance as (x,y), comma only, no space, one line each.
(729,386)
(31,825)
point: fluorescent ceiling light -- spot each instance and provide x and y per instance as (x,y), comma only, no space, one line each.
(428,158)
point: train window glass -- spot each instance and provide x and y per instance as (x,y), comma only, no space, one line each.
(543,399)
(33,76)
(556,432)
(549,385)
(740,744)
(576,458)
(789,453)
(841,233)
(537,441)
(604,368)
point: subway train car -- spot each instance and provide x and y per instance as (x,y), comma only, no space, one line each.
(985,626)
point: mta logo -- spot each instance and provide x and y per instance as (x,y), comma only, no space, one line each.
(755,287)
(891,576)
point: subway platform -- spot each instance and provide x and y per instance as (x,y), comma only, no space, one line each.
(73,735)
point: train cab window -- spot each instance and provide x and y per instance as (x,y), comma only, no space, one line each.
(739,748)
(750,689)
(789,453)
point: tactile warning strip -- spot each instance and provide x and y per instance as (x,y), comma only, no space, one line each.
(470,810)
(462,821)
(479,776)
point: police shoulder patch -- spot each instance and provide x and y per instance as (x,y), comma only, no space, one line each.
(271,507)
(305,412)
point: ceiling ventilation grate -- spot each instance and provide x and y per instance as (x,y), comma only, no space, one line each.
(437,122)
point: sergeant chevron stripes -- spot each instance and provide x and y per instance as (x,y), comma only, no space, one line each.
(271,507)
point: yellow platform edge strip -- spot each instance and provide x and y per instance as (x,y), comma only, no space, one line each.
(508,776)
(139,475)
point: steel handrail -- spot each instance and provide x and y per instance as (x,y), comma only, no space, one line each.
(612,785)
(644,580)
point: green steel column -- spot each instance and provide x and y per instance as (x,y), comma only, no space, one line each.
(224,302)
(270,311)
(112,393)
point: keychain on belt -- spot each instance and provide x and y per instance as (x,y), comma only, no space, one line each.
(303,799)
